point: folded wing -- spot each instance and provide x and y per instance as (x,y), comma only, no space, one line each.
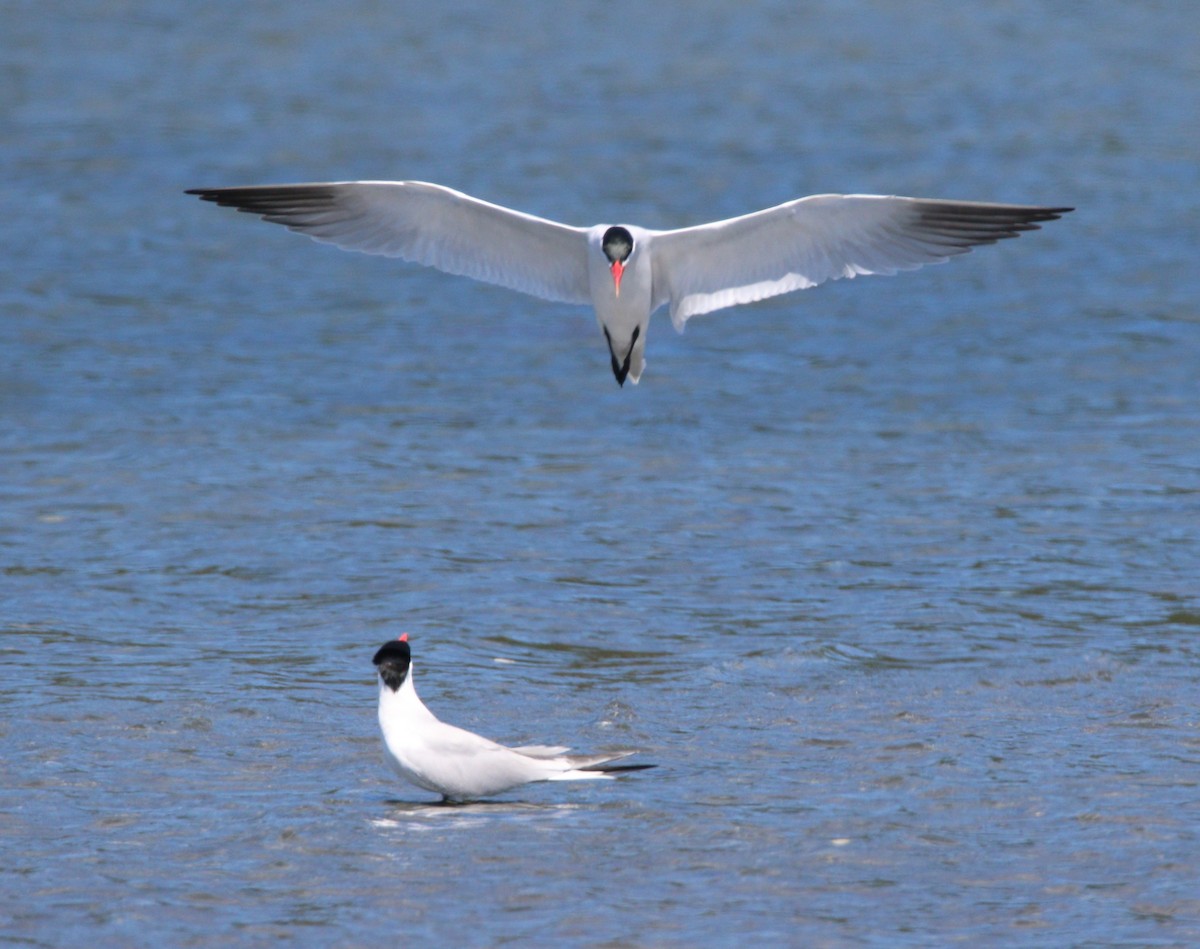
(823,237)
(427,224)
(596,766)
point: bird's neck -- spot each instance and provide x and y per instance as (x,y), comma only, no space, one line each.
(403,703)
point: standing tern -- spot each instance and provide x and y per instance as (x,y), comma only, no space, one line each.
(627,272)
(458,764)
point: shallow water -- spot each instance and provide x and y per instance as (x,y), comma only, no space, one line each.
(896,580)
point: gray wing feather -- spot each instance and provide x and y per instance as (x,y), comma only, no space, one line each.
(806,242)
(427,224)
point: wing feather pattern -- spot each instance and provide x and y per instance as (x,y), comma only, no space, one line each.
(809,241)
(427,224)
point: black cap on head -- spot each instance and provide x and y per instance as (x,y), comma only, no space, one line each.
(617,244)
(393,660)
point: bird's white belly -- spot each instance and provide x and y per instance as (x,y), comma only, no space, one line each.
(624,319)
(409,773)
(458,777)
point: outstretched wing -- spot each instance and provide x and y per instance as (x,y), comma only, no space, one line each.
(823,237)
(430,225)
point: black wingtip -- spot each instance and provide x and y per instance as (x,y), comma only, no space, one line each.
(281,204)
(957,226)
(217,196)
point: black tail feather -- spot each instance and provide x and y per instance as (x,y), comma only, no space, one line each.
(613,768)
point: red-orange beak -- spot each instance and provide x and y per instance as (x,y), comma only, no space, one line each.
(618,268)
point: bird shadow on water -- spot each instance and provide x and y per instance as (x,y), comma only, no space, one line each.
(441,814)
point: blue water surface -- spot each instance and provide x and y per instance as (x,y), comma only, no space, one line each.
(896,580)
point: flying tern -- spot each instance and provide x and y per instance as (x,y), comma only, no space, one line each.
(458,764)
(627,272)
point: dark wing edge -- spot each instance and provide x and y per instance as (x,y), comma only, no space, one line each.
(957,226)
(290,205)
